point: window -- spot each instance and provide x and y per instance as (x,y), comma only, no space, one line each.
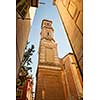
(22,7)
(72,9)
(48,24)
(48,33)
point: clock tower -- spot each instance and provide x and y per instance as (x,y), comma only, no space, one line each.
(48,47)
(50,84)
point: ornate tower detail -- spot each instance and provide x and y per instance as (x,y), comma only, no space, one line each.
(50,81)
(48,47)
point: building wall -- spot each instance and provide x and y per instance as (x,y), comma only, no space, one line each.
(71,13)
(50,84)
(72,78)
(22,32)
(25,11)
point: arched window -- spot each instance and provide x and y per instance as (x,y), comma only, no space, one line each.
(48,33)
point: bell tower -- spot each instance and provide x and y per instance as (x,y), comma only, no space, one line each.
(50,84)
(48,47)
(47,30)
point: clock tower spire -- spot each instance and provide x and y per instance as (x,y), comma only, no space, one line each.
(49,74)
(47,32)
(48,47)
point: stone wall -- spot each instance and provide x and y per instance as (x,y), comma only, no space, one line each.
(71,13)
(50,84)
(72,77)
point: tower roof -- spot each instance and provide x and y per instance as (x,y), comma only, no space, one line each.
(46,22)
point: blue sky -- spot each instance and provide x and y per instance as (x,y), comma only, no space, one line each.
(49,12)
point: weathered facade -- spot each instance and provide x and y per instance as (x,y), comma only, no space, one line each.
(22,32)
(23,26)
(57,79)
(50,83)
(71,14)
(73,79)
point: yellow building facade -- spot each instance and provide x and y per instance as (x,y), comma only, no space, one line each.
(71,14)
(73,79)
